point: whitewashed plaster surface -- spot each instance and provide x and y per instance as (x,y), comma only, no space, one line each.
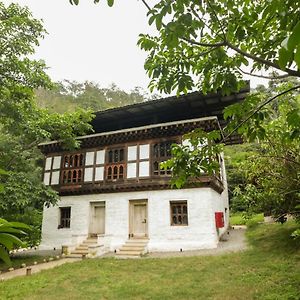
(200,233)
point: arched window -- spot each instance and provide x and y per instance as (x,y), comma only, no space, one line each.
(74,177)
(156,168)
(161,153)
(66,161)
(115,165)
(65,177)
(109,173)
(110,156)
(155,150)
(115,175)
(121,154)
(71,163)
(76,160)
(69,176)
(121,172)
(72,168)
(81,160)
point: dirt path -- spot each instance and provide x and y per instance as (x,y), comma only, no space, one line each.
(233,242)
(36,268)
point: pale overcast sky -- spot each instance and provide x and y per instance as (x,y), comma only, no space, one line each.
(93,42)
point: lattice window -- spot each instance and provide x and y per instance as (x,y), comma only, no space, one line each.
(65,217)
(115,164)
(179,213)
(161,152)
(72,176)
(72,172)
(114,172)
(73,161)
(115,155)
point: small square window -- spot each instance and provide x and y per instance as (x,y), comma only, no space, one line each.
(179,213)
(65,217)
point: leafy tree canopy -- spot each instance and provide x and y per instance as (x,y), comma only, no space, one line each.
(271,182)
(208,45)
(67,96)
(23,125)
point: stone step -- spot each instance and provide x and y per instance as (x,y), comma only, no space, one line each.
(92,239)
(77,251)
(138,240)
(82,247)
(132,247)
(135,245)
(129,253)
(90,242)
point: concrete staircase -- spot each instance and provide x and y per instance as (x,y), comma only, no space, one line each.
(133,248)
(88,246)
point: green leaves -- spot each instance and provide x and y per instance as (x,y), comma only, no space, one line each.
(110,3)
(76,2)
(9,232)
(270,172)
(290,50)
(294,39)
(197,156)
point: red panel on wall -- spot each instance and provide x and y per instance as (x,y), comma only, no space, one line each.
(219,217)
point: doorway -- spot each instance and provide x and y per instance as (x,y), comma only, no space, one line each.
(97,220)
(138,219)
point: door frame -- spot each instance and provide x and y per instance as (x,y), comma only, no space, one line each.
(92,207)
(132,203)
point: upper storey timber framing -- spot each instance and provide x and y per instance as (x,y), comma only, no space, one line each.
(157,112)
(129,143)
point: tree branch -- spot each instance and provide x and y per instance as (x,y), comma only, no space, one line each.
(215,45)
(146,4)
(257,109)
(263,76)
(218,20)
(201,20)
(261,60)
(189,40)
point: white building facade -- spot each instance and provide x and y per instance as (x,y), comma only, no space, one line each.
(113,188)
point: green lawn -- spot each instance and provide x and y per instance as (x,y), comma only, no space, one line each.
(237,219)
(270,269)
(16,262)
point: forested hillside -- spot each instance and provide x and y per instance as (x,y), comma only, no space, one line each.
(66,96)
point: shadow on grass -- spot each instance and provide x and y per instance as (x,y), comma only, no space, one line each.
(274,238)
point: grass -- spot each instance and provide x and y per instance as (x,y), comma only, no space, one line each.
(17,261)
(237,219)
(268,270)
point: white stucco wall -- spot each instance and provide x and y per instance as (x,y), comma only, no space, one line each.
(200,232)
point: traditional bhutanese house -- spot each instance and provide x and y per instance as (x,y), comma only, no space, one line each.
(114,196)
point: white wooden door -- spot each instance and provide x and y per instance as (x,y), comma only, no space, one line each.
(98,220)
(139,220)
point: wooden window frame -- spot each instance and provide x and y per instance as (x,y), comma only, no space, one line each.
(119,165)
(179,215)
(69,168)
(64,221)
(159,159)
